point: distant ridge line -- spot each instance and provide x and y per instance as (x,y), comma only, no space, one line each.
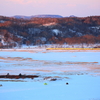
(37,16)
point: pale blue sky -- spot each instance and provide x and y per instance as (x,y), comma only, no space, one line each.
(80,8)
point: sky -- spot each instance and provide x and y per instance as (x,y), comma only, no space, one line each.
(79,8)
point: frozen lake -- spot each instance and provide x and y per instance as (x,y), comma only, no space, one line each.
(81,70)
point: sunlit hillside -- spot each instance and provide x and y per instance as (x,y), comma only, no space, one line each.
(37,31)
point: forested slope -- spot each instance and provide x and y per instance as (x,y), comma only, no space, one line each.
(35,31)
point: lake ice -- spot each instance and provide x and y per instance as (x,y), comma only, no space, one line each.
(82,70)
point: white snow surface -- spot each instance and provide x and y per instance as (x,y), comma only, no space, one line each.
(96,27)
(83,83)
(56,31)
(49,24)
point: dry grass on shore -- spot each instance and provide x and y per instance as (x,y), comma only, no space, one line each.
(72,48)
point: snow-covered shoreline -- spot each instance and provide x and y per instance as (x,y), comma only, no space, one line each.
(44,50)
